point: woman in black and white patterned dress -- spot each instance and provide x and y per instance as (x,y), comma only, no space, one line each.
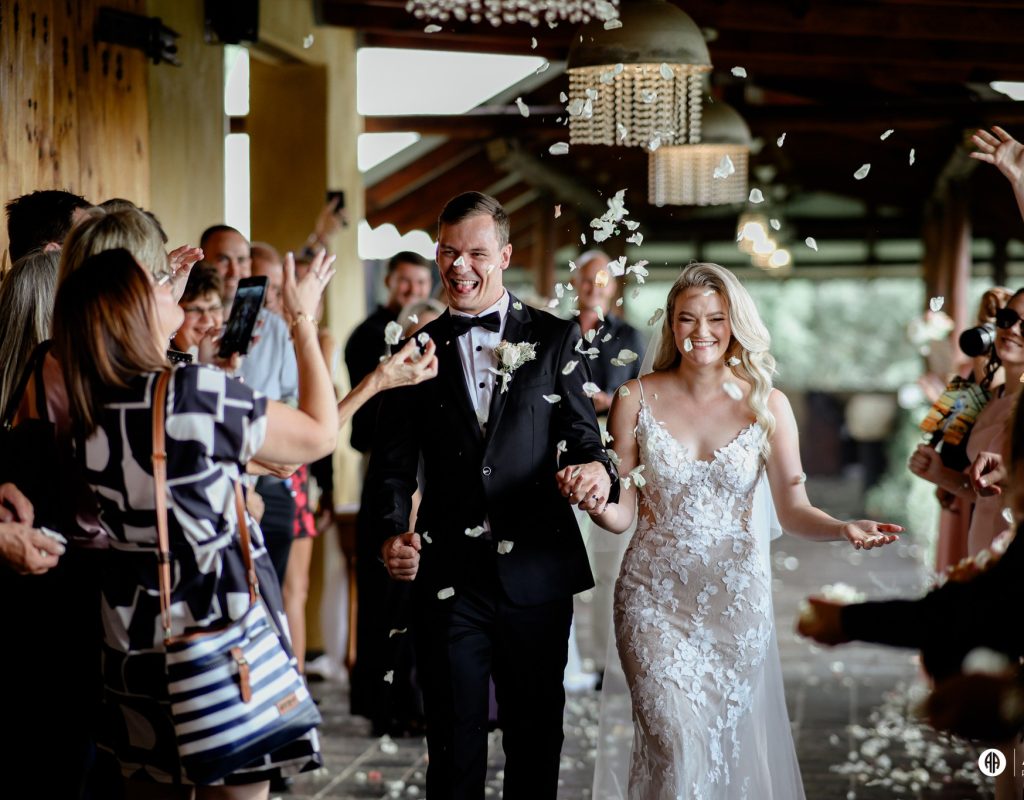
(111,324)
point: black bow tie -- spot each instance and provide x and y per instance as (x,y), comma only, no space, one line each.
(491,322)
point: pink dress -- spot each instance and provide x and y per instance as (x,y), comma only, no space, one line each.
(989,435)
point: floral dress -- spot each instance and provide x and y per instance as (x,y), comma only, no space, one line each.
(214,424)
(694,627)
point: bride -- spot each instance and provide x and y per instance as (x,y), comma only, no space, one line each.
(693,616)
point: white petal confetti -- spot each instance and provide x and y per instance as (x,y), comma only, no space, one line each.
(886,135)
(397,632)
(637,476)
(459,262)
(687,344)
(517,306)
(625,357)
(612,24)
(392,333)
(570,367)
(559,149)
(559,291)
(911,156)
(623,391)
(739,72)
(475,531)
(542,68)
(533,42)
(423,338)
(779,142)
(733,362)
(621,131)
(862,173)
(523,108)
(666,72)
(558,212)
(562,97)
(935,304)
(776,225)
(724,169)
(809,241)
(552,398)
(414,319)
(658,314)
(433,29)
(389,676)
(590,389)
(756,196)
(505,547)
(734,391)
(444,594)
(307,41)
(426,537)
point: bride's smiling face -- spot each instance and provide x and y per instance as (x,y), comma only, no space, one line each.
(701,315)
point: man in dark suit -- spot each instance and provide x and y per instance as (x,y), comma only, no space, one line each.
(497,555)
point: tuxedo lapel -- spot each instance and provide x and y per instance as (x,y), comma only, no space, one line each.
(517,329)
(451,373)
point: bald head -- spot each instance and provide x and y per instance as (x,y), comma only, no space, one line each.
(593,281)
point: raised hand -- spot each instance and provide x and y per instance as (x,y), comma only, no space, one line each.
(180,262)
(301,298)
(401,556)
(585,485)
(866,534)
(408,366)
(1001,150)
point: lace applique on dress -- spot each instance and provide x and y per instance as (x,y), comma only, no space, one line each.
(693,619)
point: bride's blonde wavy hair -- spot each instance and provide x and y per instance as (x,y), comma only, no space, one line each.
(750,338)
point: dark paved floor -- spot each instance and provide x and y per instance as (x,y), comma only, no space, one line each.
(850,726)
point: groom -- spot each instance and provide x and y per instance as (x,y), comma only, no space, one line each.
(497,555)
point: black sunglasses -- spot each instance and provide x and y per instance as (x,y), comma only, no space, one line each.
(1006,318)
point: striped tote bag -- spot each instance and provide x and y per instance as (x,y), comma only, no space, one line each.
(235,692)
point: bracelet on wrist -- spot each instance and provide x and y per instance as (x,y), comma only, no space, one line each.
(301,318)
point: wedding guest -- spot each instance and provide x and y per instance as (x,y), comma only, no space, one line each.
(596,289)
(496,556)
(407,280)
(266,262)
(203,307)
(26,306)
(41,220)
(269,368)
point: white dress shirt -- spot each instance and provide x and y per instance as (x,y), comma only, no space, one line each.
(476,352)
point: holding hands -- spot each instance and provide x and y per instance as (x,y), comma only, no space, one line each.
(585,485)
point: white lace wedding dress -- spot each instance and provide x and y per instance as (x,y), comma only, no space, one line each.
(695,633)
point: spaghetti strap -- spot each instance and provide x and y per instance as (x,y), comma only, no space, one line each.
(640,383)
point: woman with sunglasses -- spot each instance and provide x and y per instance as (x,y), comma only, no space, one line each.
(988,432)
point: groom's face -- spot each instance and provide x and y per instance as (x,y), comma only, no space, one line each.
(472,263)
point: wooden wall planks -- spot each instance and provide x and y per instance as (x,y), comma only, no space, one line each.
(73,112)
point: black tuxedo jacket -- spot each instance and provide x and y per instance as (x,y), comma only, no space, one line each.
(506,476)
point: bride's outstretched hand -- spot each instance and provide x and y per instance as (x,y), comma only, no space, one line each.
(865,534)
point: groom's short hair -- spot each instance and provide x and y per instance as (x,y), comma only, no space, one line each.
(473,204)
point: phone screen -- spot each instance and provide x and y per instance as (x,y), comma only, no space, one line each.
(244,311)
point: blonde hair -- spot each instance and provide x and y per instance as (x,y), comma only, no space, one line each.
(750,338)
(127,228)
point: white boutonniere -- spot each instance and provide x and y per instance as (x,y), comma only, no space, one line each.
(511,356)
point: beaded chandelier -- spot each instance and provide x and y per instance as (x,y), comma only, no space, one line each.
(512,11)
(638,83)
(711,173)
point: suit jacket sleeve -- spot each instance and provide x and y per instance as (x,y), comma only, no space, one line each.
(952,620)
(394,459)
(575,420)
(362,354)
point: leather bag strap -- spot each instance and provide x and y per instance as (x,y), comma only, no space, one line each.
(159,460)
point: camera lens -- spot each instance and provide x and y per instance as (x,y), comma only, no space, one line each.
(977,341)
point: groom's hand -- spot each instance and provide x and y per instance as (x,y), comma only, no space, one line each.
(585,485)
(401,556)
